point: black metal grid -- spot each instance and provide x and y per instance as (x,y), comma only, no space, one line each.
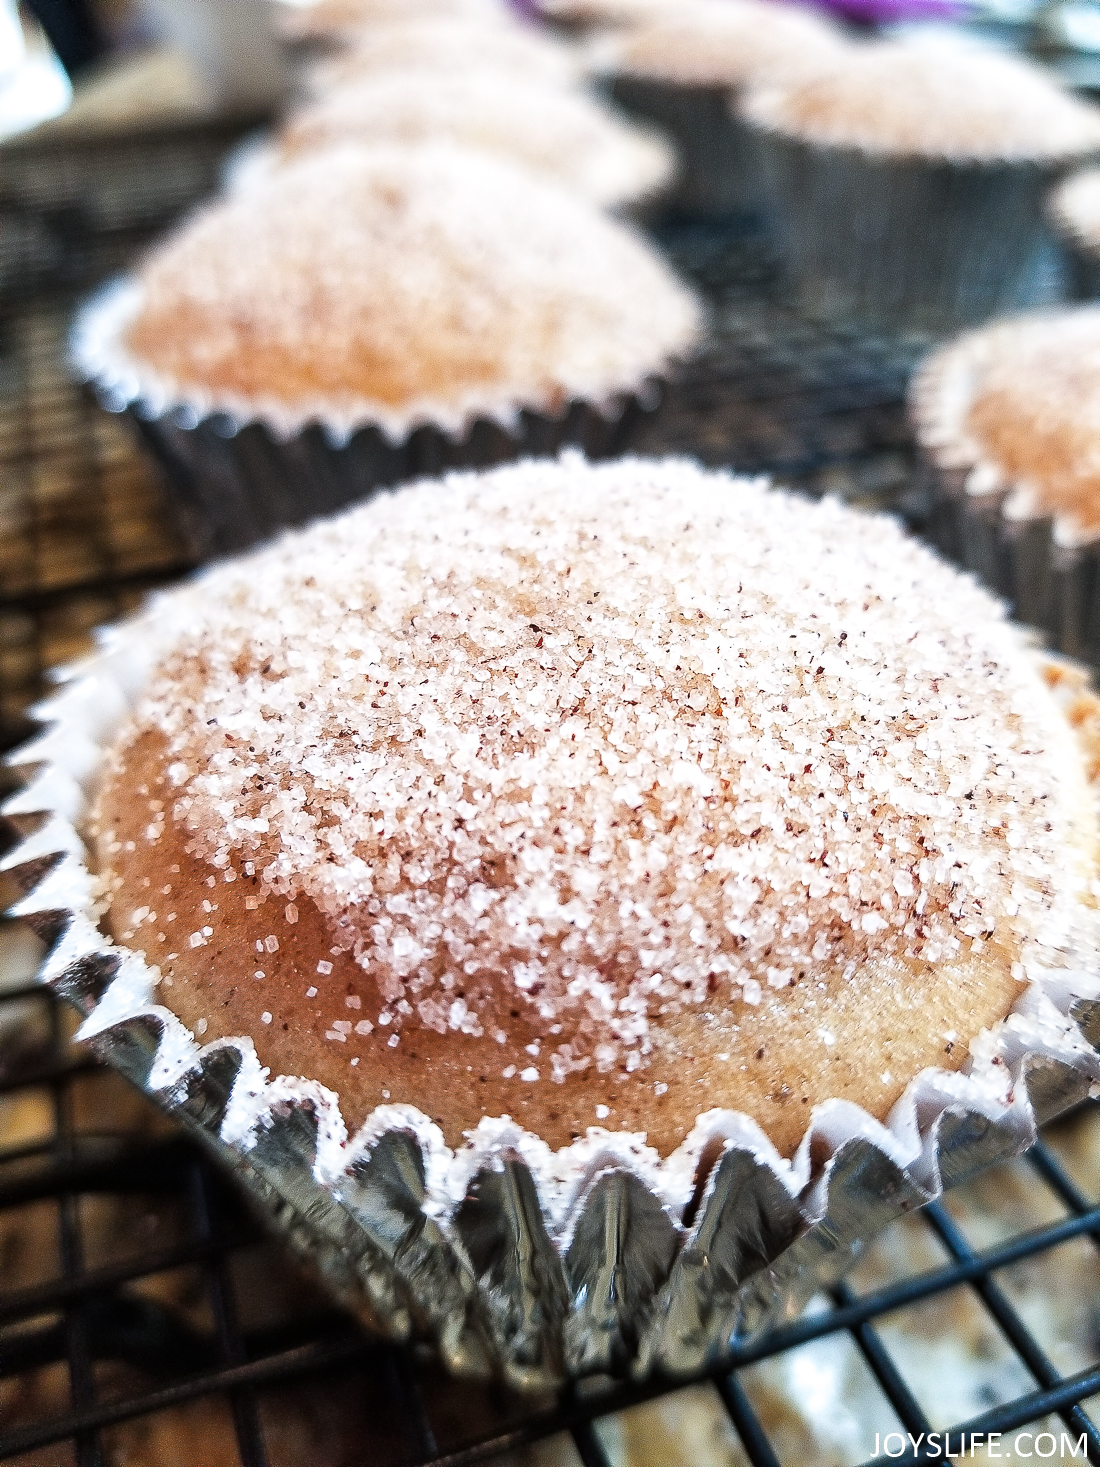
(143,1315)
(90,1313)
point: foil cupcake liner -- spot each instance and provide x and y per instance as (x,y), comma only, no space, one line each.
(516,1261)
(927,244)
(1042,566)
(1080,255)
(719,172)
(1082,272)
(237,474)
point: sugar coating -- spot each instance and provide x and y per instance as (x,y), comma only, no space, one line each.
(339,20)
(724,43)
(1075,205)
(565,135)
(405,285)
(931,99)
(610,743)
(1028,410)
(449,45)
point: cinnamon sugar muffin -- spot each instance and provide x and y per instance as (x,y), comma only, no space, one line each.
(1009,419)
(595,795)
(681,68)
(342,21)
(449,46)
(583,14)
(566,136)
(724,43)
(905,180)
(368,314)
(1075,212)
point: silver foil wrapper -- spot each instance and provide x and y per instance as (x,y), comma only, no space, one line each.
(516,1261)
(719,172)
(925,244)
(1048,574)
(237,477)
(1082,273)
(1080,255)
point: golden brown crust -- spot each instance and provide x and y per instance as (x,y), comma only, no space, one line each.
(372,363)
(821,1037)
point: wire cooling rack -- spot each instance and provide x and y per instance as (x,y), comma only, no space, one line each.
(144,1317)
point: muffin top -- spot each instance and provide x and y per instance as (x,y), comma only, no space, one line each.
(1075,206)
(450,46)
(931,99)
(564,135)
(1021,398)
(580,792)
(344,20)
(403,285)
(612,12)
(721,43)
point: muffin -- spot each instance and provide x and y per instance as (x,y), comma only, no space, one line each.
(575,842)
(370,314)
(905,183)
(680,70)
(581,15)
(565,136)
(338,22)
(1006,418)
(449,46)
(1074,210)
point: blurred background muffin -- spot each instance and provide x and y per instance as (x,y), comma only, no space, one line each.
(582,15)
(1074,210)
(905,181)
(567,136)
(448,45)
(681,68)
(337,22)
(1008,420)
(365,315)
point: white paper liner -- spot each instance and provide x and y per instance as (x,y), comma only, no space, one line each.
(744,1237)
(100,357)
